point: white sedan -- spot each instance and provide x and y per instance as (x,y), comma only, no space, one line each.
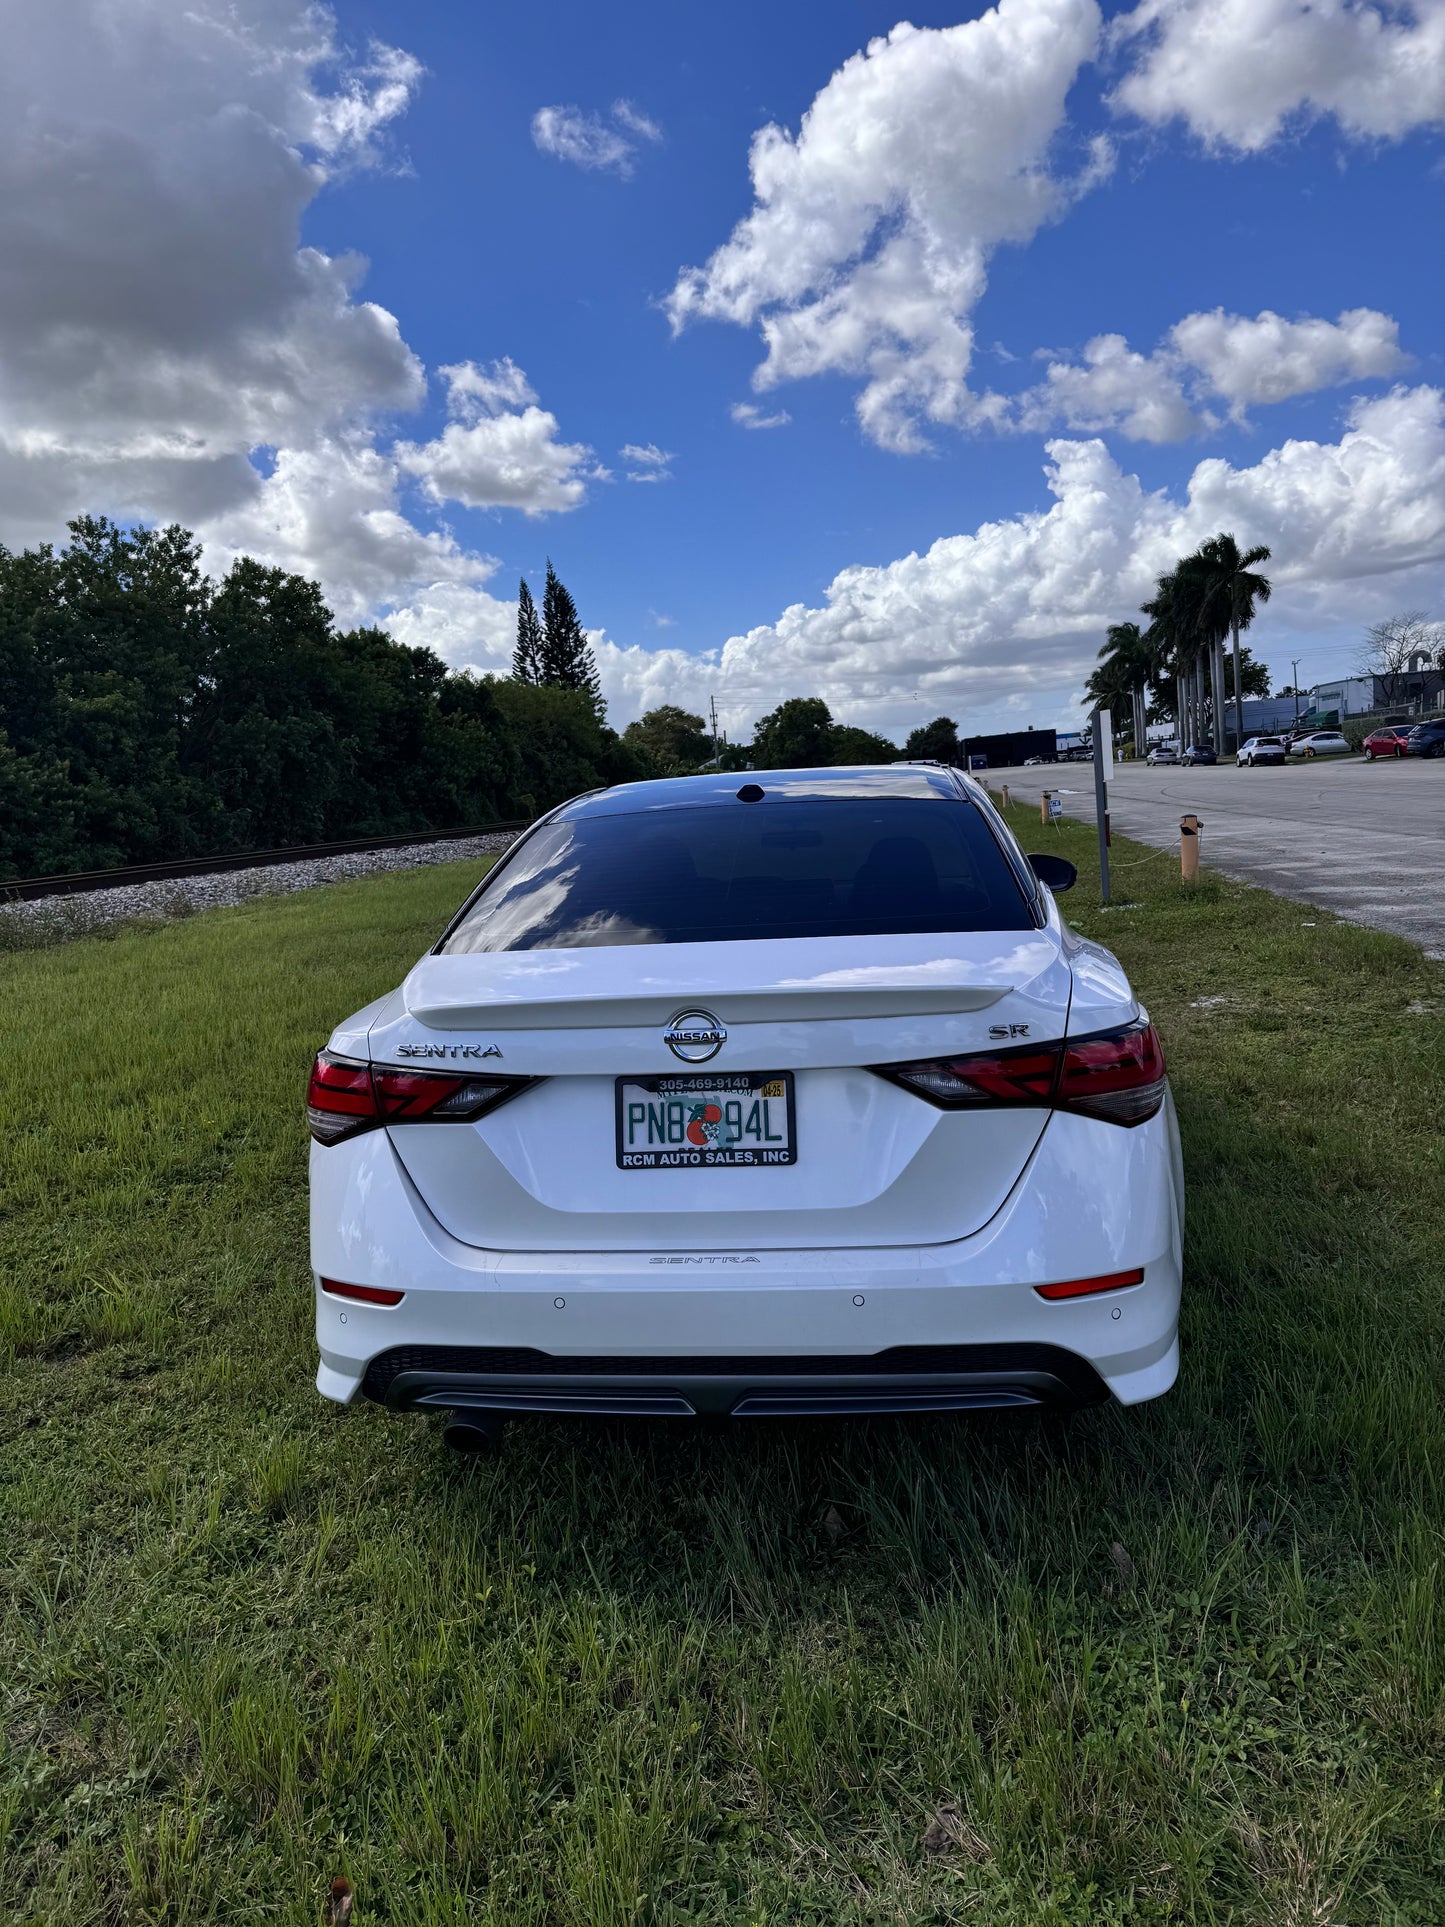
(1320,742)
(1162,753)
(784,1097)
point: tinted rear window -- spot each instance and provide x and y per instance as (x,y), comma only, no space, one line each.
(725,874)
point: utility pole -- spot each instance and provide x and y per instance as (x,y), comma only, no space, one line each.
(1103,763)
(712,712)
(1294,665)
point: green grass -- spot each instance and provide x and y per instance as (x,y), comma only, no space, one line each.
(1179,1663)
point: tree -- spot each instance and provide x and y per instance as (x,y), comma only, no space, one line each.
(673,739)
(849,744)
(795,735)
(527,656)
(1120,683)
(1255,674)
(1225,591)
(567,661)
(935,742)
(1398,645)
(1168,647)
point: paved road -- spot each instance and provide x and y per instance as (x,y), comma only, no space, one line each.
(1366,840)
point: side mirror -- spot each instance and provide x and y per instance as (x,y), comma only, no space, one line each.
(1056,871)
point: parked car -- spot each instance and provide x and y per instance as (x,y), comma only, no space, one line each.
(1427,738)
(1198,753)
(1320,742)
(1033,762)
(1163,753)
(778,1097)
(1260,749)
(1387,740)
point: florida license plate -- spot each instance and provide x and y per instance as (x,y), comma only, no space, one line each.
(705,1120)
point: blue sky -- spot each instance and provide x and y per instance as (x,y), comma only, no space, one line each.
(1259,167)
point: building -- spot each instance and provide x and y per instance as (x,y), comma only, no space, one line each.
(1010,748)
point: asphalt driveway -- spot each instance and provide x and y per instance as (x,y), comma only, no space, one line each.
(1366,840)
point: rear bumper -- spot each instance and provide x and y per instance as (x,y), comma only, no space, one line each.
(924,1378)
(712,1327)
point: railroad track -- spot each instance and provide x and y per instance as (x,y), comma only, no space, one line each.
(77,881)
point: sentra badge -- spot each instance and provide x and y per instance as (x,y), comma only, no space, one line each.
(447,1050)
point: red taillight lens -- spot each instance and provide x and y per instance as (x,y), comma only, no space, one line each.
(1118,1076)
(1086,1287)
(361,1294)
(339,1098)
(345,1097)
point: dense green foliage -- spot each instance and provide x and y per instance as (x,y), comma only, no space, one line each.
(935,742)
(801,734)
(1178,1664)
(676,741)
(148,712)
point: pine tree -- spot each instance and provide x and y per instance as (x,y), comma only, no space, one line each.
(566,657)
(527,656)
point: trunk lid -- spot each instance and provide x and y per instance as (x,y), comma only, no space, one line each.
(875,1164)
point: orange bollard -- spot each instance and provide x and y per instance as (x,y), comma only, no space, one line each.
(1189,829)
(1044,806)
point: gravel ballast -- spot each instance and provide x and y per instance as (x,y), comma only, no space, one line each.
(38,922)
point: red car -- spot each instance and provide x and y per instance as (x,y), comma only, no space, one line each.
(1388,740)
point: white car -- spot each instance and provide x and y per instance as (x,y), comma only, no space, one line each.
(1163,753)
(1320,742)
(1259,749)
(779,1097)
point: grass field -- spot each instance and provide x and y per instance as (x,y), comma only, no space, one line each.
(1184,1663)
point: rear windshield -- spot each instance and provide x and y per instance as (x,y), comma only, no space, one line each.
(836,868)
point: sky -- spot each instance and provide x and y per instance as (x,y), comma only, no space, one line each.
(823,352)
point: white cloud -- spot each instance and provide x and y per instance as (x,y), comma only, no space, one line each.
(1115,387)
(168,351)
(634,118)
(747,414)
(499,450)
(649,463)
(474,391)
(1003,625)
(867,246)
(157,320)
(1269,359)
(1237,71)
(589,141)
(1236,359)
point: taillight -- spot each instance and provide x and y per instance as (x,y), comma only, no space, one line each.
(345,1097)
(339,1099)
(986,1077)
(1117,1075)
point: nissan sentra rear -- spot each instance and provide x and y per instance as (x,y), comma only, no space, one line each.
(781,1095)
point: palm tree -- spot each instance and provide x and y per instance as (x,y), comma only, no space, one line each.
(1122,673)
(1165,641)
(1225,590)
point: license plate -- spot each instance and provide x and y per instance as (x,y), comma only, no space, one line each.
(705,1121)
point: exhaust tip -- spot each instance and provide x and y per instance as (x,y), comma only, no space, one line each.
(472,1433)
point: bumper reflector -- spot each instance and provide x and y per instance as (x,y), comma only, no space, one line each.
(362,1294)
(1083,1287)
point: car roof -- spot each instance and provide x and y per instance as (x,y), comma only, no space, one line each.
(923,782)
